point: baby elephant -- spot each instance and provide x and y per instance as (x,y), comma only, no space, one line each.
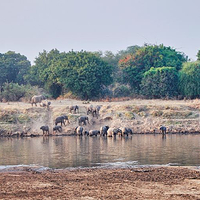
(45,104)
(74,109)
(94,132)
(45,130)
(79,130)
(57,129)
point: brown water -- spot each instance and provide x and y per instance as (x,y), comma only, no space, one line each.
(71,151)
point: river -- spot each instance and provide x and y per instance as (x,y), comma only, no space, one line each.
(59,152)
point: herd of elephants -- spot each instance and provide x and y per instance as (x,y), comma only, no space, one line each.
(83,120)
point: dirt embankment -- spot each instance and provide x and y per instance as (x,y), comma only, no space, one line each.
(143,116)
(174,183)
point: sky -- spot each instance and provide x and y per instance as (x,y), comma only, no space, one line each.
(31,26)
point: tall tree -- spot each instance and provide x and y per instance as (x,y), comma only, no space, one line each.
(43,72)
(135,65)
(189,83)
(13,67)
(85,74)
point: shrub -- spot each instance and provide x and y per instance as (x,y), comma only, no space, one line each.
(16,92)
(121,91)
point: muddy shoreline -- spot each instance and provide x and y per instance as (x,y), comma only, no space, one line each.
(72,134)
(89,184)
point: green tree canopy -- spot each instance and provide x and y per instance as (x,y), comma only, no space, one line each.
(135,65)
(43,73)
(160,82)
(84,74)
(189,83)
(13,67)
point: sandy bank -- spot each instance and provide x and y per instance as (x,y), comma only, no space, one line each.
(136,183)
(143,116)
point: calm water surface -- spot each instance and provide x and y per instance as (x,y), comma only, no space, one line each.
(64,152)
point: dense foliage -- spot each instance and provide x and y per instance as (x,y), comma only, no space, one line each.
(13,67)
(85,74)
(135,65)
(82,73)
(15,92)
(150,71)
(189,82)
(160,82)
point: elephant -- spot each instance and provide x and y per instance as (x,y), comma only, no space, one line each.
(79,130)
(45,104)
(113,132)
(86,133)
(130,131)
(103,130)
(57,129)
(82,120)
(62,119)
(45,130)
(37,99)
(163,130)
(95,111)
(90,110)
(74,109)
(94,132)
(124,131)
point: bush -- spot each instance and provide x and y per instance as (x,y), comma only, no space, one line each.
(106,92)
(121,91)
(16,92)
(189,80)
(160,83)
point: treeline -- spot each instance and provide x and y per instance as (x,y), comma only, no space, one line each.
(150,71)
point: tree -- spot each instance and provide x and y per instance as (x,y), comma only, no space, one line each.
(43,73)
(84,74)
(135,65)
(160,82)
(189,83)
(13,67)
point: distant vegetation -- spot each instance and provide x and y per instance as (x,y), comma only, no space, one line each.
(149,71)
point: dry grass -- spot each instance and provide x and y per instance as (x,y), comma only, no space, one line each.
(143,116)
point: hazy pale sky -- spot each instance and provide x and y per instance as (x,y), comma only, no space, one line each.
(30,26)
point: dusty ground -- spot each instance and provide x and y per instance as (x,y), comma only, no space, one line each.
(94,184)
(143,116)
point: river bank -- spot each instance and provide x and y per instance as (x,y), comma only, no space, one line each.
(88,184)
(142,116)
